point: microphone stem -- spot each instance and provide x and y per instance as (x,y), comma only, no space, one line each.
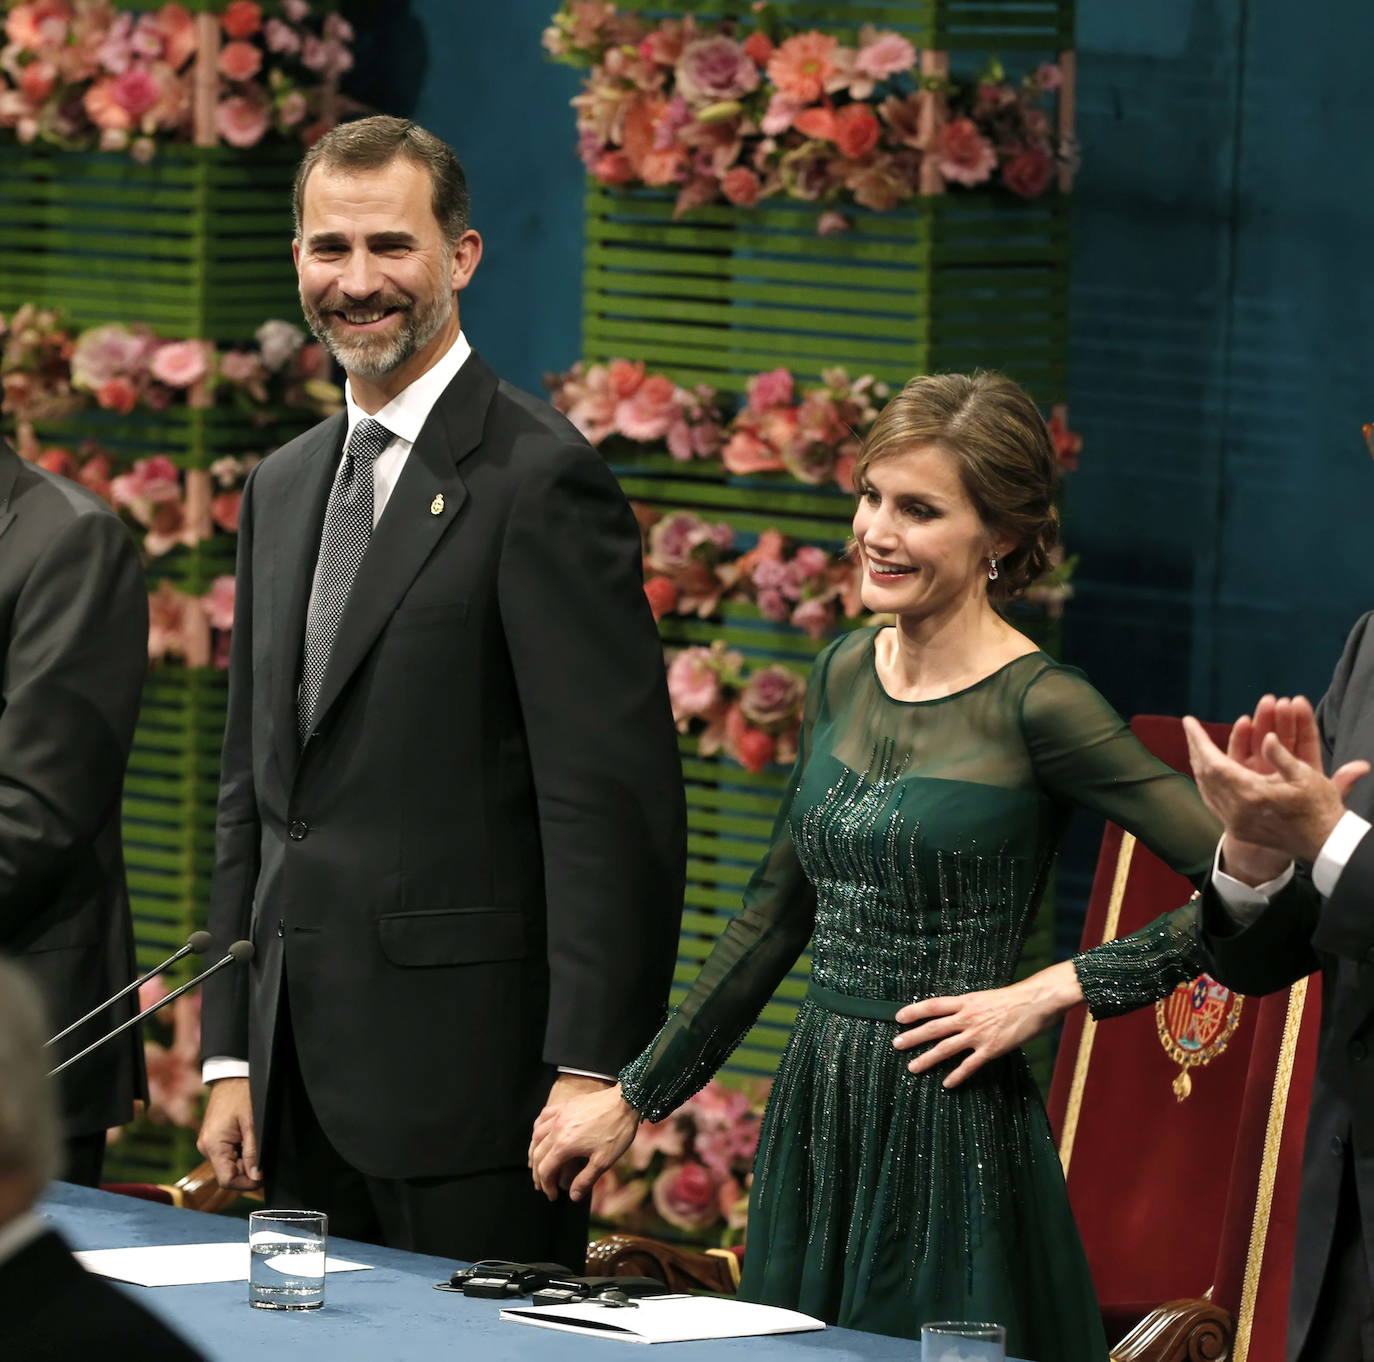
(147,1012)
(129,988)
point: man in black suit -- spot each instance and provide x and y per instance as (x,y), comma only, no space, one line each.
(73,653)
(50,1306)
(451,814)
(1303,838)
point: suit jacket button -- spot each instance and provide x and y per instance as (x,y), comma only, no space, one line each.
(1337,1146)
(297,831)
(281,927)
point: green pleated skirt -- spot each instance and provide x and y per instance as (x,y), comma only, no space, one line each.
(882,1201)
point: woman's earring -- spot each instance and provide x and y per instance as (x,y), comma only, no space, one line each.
(993,574)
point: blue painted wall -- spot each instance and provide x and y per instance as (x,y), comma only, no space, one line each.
(1221,357)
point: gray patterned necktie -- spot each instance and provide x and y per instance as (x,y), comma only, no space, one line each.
(347,528)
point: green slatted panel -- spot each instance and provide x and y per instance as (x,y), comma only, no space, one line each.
(195,243)
(955,281)
(1001,25)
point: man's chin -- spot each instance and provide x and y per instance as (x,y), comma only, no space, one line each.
(368,358)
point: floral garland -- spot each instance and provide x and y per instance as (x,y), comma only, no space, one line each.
(752,716)
(81,74)
(690,1172)
(815,436)
(719,114)
(48,372)
(690,567)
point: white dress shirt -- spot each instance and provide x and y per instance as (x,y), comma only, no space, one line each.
(1244,904)
(403,416)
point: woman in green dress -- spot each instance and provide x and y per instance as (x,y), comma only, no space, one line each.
(909,1175)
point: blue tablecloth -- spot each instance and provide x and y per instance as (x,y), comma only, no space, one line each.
(390,1314)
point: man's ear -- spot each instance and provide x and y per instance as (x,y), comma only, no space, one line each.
(467,255)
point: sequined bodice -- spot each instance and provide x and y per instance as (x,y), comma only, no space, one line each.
(898,916)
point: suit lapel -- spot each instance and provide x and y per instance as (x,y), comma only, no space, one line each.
(423,504)
(9,473)
(295,547)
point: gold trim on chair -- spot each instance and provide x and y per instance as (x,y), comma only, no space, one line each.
(1269,1168)
(1085,1040)
(732,1260)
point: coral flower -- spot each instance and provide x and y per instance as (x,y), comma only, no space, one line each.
(802,65)
(241,19)
(240,61)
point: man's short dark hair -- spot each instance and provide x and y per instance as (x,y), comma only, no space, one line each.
(370,144)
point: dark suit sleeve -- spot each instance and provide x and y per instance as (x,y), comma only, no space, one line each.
(73,675)
(1278,947)
(224,1022)
(589,671)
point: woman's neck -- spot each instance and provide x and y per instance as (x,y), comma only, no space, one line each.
(925,657)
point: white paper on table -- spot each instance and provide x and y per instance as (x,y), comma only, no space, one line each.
(667,1319)
(183,1264)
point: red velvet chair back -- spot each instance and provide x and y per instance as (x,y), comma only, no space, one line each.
(1180,1126)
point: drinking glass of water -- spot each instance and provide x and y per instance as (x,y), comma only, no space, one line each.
(961,1341)
(286,1251)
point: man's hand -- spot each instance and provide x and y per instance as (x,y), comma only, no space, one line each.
(227,1137)
(988,1023)
(1268,788)
(578,1139)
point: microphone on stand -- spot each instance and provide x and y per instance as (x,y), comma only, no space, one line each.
(240,951)
(196,944)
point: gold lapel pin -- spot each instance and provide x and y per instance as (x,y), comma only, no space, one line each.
(436,507)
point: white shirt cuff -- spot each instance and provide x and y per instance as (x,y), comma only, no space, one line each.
(221,1066)
(1336,851)
(1244,902)
(585,1073)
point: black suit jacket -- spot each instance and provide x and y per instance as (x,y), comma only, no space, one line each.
(1301,932)
(53,1310)
(473,869)
(73,652)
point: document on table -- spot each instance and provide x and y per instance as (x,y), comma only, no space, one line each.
(667,1319)
(183,1264)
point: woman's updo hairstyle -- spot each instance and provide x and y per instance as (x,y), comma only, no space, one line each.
(993,431)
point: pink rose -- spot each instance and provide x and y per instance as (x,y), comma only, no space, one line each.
(712,70)
(1029,172)
(693,686)
(831,223)
(104,110)
(136,91)
(625,377)
(151,481)
(773,696)
(37,80)
(295,10)
(613,167)
(811,561)
(218,602)
(281,38)
(179,364)
(647,415)
(224,511)
(772,604)
(106,352)
(772,389)
(240,121)
(240,61)
(685,1196)
(239,366)
(176,28)
(740,186)
(39,24)
(813,617)
(780,115)
(966,156)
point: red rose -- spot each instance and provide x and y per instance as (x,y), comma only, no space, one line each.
(856,131)
(117,394)
(755,749)
(759,46)
(740,186)
(662,596)
(1028,173)
(685,1195)
(242,19)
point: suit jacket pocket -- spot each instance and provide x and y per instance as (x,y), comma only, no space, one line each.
(453,936)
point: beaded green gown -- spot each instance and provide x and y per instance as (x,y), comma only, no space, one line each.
(912,849)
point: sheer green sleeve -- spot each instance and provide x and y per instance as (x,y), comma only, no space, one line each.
(751,957)
(1085,754)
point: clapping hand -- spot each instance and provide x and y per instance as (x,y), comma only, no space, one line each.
(1268,788)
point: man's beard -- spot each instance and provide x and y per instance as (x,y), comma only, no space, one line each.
(376,356)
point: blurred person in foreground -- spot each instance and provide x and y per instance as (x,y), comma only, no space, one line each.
(51,1308)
